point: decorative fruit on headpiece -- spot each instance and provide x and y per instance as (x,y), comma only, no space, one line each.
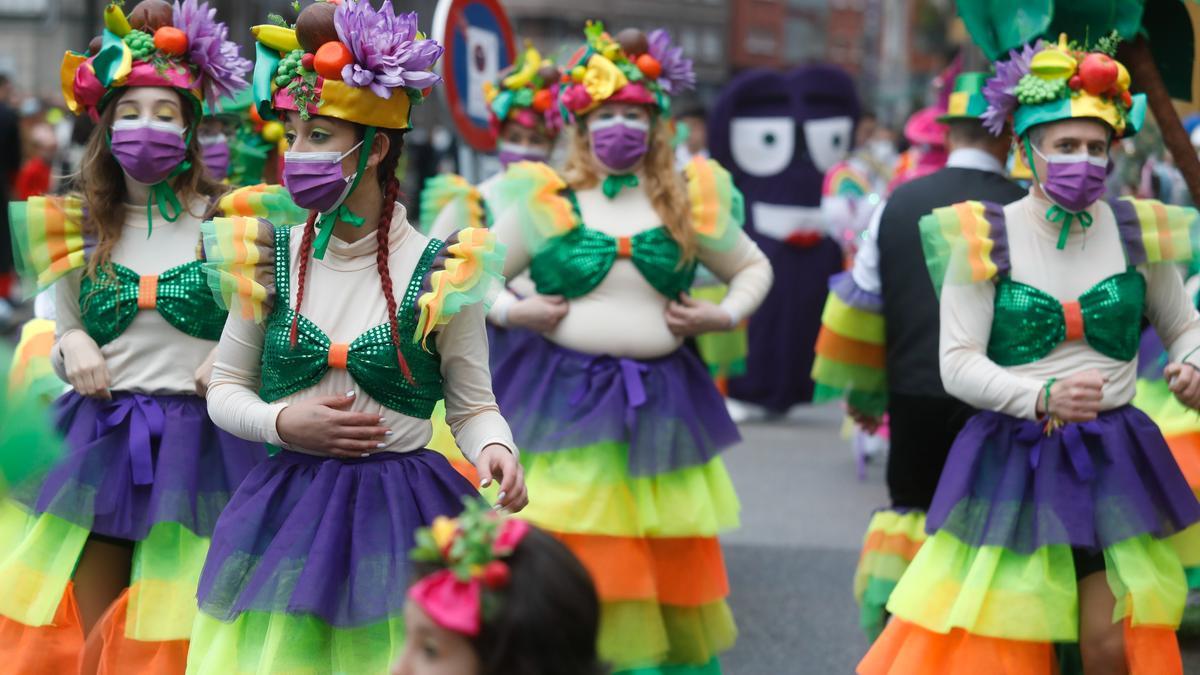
(633,67)
(525,93)
(347,60)
(156,45)
(1048,82)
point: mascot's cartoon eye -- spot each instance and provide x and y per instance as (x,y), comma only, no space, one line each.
(762,146)
(827,140)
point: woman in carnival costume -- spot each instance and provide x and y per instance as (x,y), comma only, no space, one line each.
(125,516)
(621,425)
(496,597)
(525,119)
(1051,519)
(347,329)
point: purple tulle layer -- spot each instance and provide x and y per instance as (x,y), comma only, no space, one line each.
(667,409)
(1006,483)
(138,460)
(326,537)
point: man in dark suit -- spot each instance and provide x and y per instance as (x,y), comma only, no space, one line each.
(889,270)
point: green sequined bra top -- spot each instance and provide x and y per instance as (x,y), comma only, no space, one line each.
(370,358)
(109,302)
(573,264)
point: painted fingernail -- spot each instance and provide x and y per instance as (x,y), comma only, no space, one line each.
(500,497)
(382,420)
(485,482)
(380,445)
(350,394)
(388,432)
(365,454)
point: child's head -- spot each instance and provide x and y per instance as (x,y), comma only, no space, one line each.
(498,596)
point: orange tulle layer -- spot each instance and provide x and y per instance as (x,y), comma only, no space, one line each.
(1186,449)
(880,541)
(121,654)
(905,648)
(683,571)
(53,648)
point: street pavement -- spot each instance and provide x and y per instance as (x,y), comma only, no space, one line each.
(791,563)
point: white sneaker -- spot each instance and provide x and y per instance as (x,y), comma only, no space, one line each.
(745,413)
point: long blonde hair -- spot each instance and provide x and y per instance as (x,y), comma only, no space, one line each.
(663,184)
(101,186)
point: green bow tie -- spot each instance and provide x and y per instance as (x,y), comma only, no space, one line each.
(1056,213)
(613,183)
(180,295)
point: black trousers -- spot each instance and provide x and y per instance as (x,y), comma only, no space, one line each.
(922,429)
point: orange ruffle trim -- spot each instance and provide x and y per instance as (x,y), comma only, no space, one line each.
(1186,450)
(53,648)
(879,541)
(121,654)
(905,648)
(680,571)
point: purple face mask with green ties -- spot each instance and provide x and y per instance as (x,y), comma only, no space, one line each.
(148,150)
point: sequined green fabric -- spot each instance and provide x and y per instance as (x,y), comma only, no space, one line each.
(109,302)
(1029,323)
(575,263)
(371,359)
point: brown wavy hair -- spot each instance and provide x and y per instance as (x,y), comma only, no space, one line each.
(663,184)
(101,185)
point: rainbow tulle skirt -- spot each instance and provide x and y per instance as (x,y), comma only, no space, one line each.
(152,470)
(994,587)
(309,566)
(892,540)
(622,463)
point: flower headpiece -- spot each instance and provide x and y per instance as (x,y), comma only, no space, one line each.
(157,45)
(471,549)
(526,94)
(631,68)
(1048,82)
(345,59)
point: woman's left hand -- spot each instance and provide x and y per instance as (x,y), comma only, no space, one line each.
(688,316)
(1184,381)
(498,462)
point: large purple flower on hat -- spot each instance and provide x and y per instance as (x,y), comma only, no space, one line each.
(1000,90)
(677,71)
(221,66)
(387,52)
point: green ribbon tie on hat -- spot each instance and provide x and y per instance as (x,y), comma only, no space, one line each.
(613,183)
(1057,213)
(343,213)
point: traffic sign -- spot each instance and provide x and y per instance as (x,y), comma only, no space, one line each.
(479,44)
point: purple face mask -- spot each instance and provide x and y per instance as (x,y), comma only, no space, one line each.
(315,180)
(148,150)
(509,153)
(215,152)
(618,144)
(1074,182)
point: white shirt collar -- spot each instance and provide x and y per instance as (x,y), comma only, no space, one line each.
(973,158)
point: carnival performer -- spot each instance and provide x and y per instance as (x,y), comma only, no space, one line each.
(524,117)
(879,342)
(498,596)
(109,543)
(620,425)
(1050,522)
(368,324)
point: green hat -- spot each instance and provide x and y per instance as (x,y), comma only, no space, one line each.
(966,100)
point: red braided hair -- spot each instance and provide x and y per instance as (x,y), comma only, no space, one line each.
(310,231)
(390,193)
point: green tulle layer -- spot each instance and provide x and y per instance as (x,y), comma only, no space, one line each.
(284,644)
(993,592)
(711,668)
(588,490)
(651,637)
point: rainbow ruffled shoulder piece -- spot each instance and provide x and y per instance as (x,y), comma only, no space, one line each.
(537,193)
(718,210)
(48,239)
(468,270)
(271,202)
(239,256)
(965,243)
(451,191)
(1154,232)
(850,347)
